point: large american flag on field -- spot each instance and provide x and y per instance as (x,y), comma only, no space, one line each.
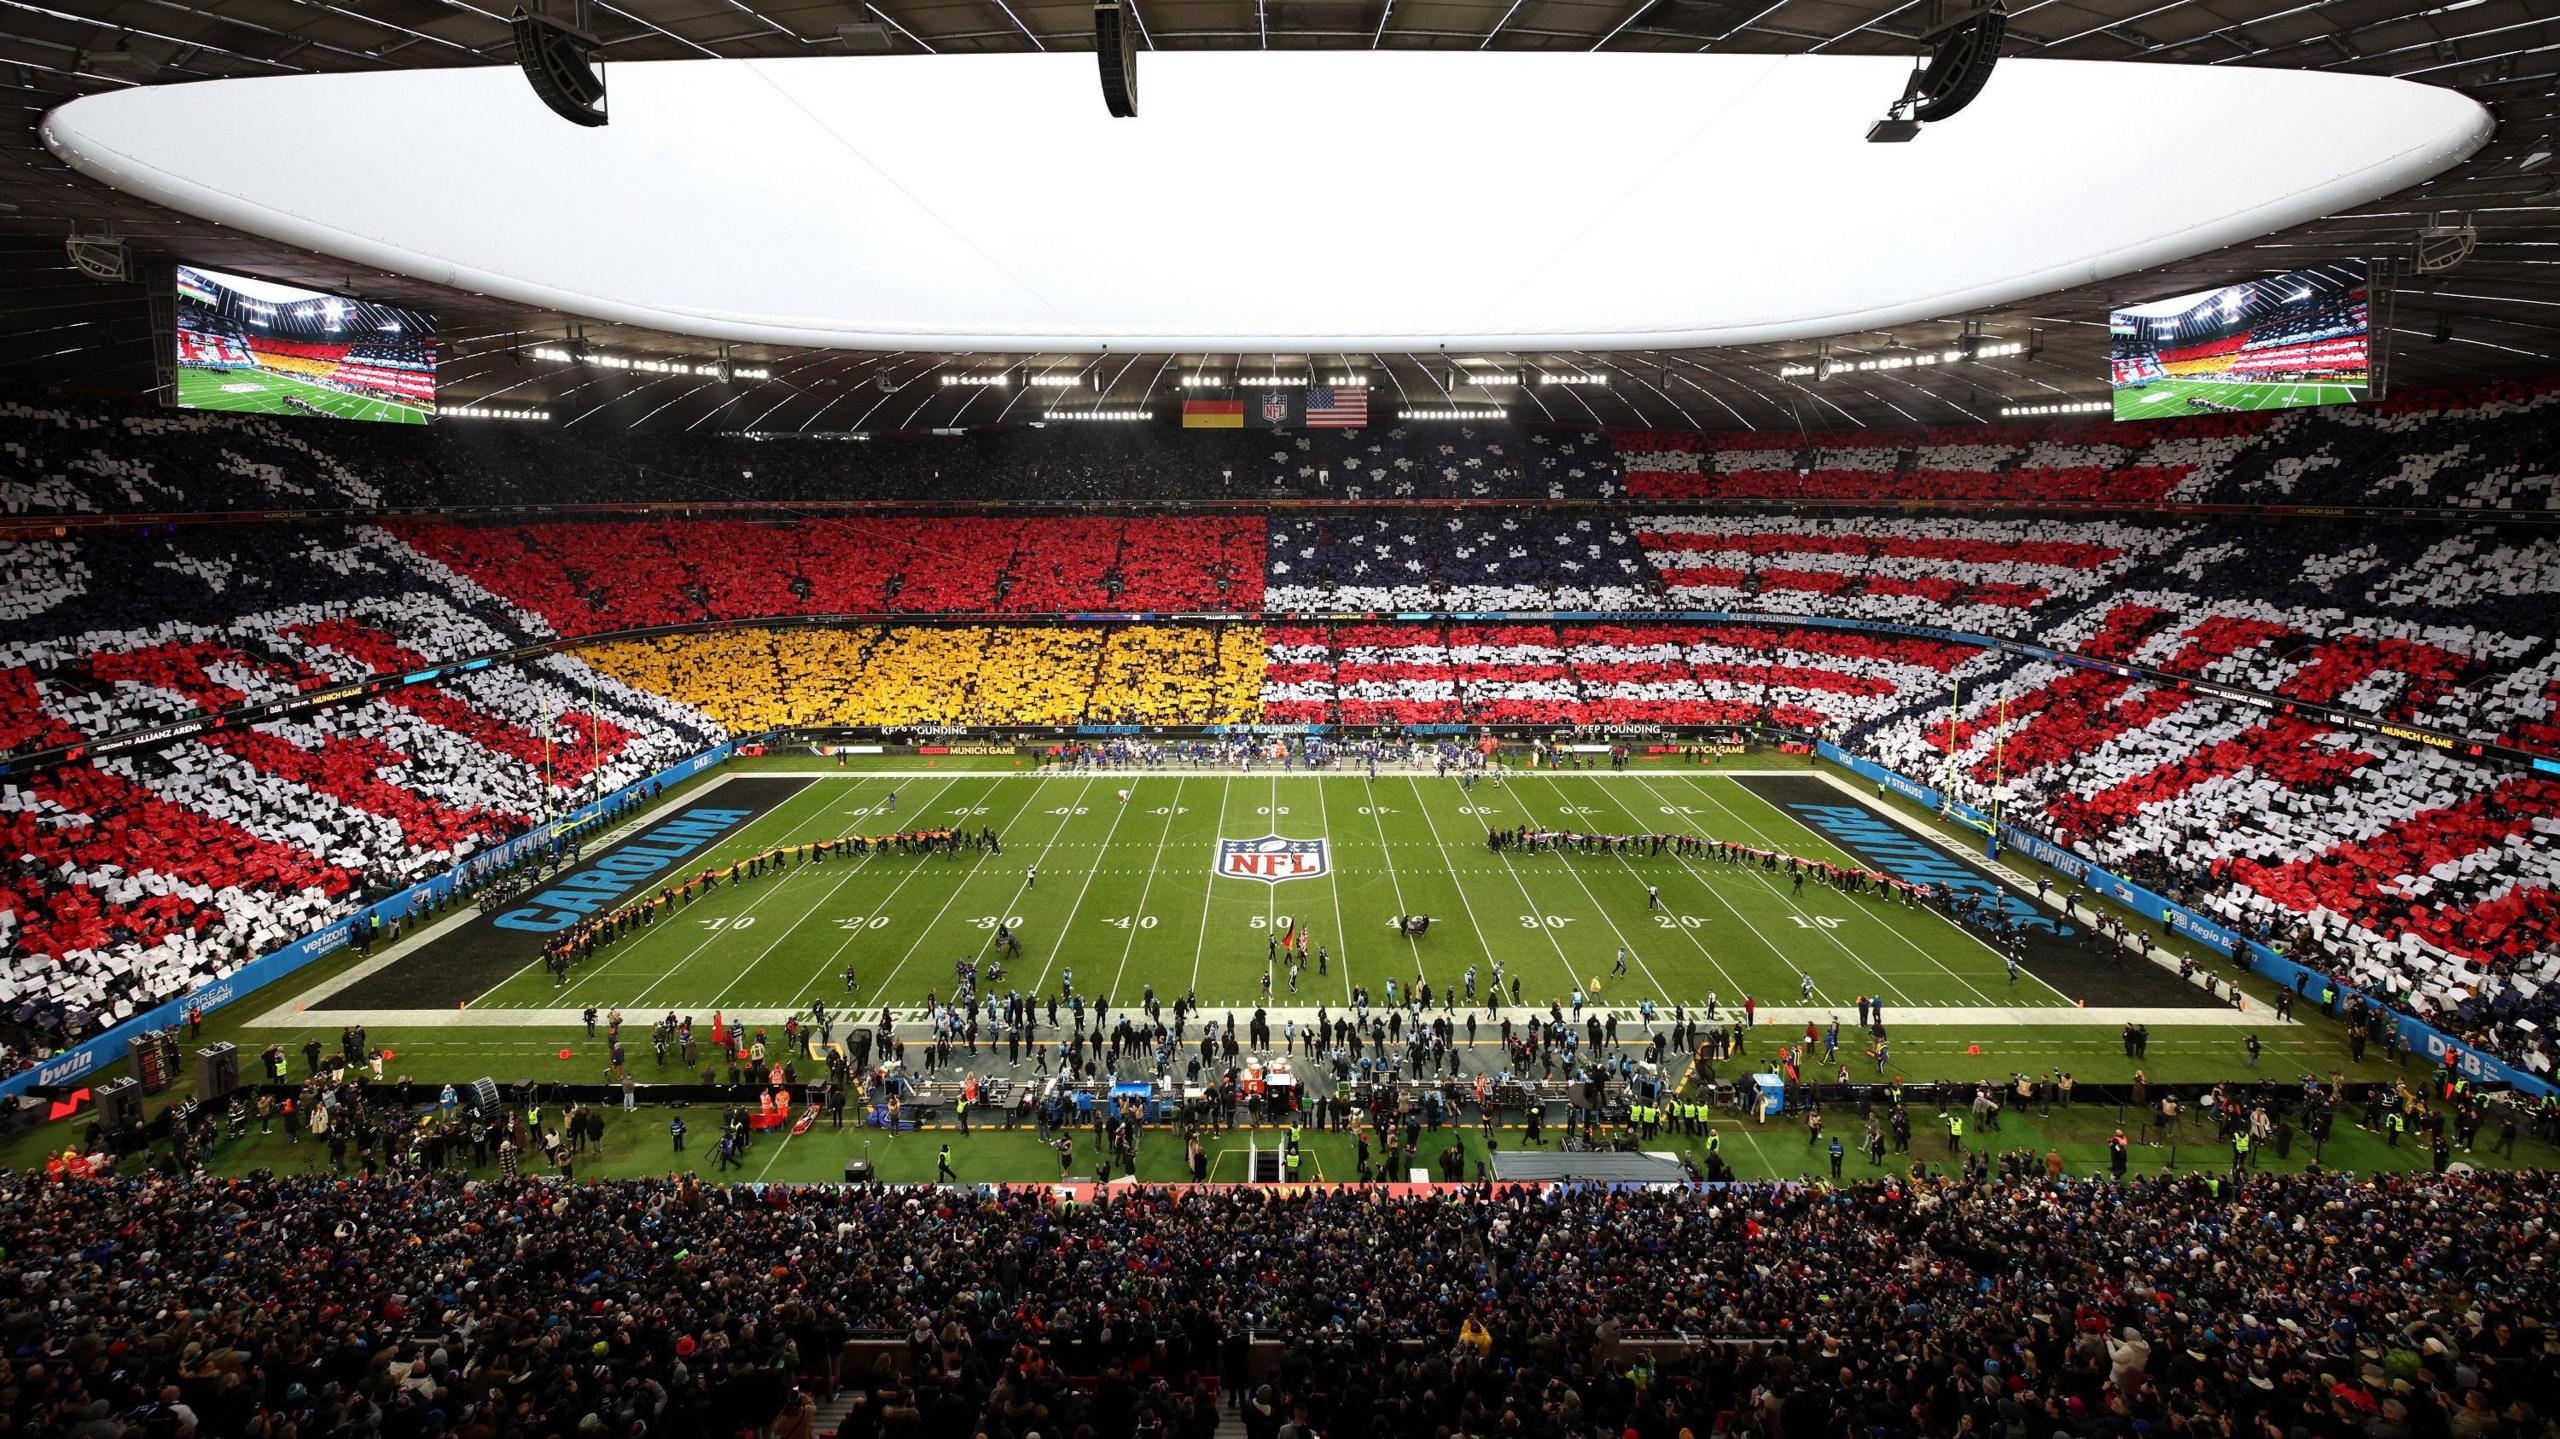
(1346,408)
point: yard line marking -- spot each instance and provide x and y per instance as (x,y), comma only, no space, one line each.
(1716,894)
(1068,924)
(810,913)
(1006,907)
(1463,902)
(719,932)
(1895,930)
(1603,910)
(1387,853)
(1703,953)
(1960,929)
(1332,881)
(1030,792)
(1172,809)
(1271,894)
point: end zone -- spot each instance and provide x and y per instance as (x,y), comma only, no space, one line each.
(2055,949)
(460,959)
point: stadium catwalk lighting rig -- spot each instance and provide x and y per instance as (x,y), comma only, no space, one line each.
(718,370)
(488,412)
(1099,415)
(1954,64)
(1477,412)
(2072,407)
(1063,382)
(995,381)
(1825,369)
(559,57)
(1577,379)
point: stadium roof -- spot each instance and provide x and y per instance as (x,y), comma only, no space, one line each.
(2502,304)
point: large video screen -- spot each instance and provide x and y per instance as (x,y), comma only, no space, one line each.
(270,349)
(2299,338)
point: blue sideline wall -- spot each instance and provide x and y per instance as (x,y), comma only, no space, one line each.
(92,1056)
(2419,1036)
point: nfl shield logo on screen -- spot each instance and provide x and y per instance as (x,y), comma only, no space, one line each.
(1275,409)
(1272,859)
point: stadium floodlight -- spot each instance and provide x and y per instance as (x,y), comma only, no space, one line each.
(2065,407)
(1954,65)
(1115,49)
(559,57)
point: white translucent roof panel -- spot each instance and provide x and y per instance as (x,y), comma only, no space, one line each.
(1270,201)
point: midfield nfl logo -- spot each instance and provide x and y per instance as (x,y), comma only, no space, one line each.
(1272,859)
(1275,411)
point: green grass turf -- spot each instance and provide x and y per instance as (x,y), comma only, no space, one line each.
(265,392)
(2163,399)
(637,1145)
(1422,852)
(917,914)
(1126,898)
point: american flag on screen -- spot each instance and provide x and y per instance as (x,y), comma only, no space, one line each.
(1346,408)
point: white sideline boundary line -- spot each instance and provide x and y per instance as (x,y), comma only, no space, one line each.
(1777,1019)
(1227,771)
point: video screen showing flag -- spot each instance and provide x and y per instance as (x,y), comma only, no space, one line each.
(2295,339)
(271,349)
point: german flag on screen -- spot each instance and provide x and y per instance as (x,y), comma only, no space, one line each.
(1213,414)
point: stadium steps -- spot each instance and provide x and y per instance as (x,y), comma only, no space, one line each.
(831,1412)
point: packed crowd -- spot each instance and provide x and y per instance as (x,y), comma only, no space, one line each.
(2442,627)
(1429,673)
(2487,449)
(134,878)
(755,680)
(139,872)
(2484,448)
(2439,627)
(430,1306)
(594,577)
(2389,865)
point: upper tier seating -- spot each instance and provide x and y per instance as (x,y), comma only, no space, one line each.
(588,577)
(2493,448)
(2489,448)
(1506,560)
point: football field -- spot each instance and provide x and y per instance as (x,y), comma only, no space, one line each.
(2164,398)
(1121,896)
(264,392)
